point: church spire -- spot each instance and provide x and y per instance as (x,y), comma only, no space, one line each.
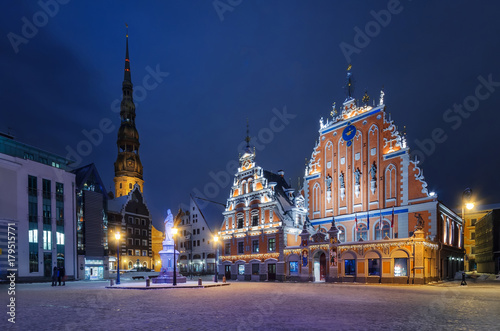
(127,77)
(128,166)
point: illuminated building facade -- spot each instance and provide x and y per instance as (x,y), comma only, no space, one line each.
(157,238)
(361,174)
(263,216)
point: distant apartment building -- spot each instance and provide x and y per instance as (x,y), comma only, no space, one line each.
(38,195)
(471,217)
(130,216)
(195,239)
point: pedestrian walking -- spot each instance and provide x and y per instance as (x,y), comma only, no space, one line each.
(59,277)
(54,276)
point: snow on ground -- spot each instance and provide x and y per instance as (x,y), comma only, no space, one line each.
(257,306)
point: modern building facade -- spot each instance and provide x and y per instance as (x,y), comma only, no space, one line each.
(91,225)
(488,243)
(38,195)
(361,174)
(263,216)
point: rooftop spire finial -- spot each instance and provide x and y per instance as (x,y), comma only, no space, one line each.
(349,82)
(247,139)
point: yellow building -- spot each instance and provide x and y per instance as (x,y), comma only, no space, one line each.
(156,245)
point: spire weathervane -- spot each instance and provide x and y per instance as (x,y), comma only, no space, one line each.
(247,139)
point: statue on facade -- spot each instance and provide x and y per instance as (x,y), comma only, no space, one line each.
(373,171)
(341,180)
(328,181)
(420,221)
(357,175)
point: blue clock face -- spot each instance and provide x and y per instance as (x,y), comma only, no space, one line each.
(348,134)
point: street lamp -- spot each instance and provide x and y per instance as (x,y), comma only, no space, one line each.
(467,203)
(117,236)
(216,239)
(174,232)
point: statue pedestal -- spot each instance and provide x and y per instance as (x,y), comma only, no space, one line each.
(168,257)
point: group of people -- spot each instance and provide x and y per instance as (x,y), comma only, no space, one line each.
(58,275)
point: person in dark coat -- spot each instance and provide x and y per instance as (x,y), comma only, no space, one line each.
(62,273)
(54,276)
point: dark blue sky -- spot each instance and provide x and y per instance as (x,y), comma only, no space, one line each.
(262,55)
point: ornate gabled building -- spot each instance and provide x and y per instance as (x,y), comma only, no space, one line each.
(263,215)
(128,166)
(361,174)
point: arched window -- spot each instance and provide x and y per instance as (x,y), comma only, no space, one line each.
(341,233)
(255,218)
(250,185)
(362,232)
(316,198)
(130,265)
(244,187)
(390,182)
(385,231)
(240,221)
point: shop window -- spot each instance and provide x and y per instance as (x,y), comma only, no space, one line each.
(241,269)
(255,268)
(374,267)
(350,267)
(400,267)
(294,267)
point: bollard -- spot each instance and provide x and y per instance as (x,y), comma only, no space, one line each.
(223,279)
(148,281)
(463,280)
(111,282)
(199,282)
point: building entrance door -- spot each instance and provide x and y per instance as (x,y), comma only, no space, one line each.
(227,272)
(47,264)
(271,272)
(319,267)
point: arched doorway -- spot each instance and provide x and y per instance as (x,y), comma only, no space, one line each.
(319,265)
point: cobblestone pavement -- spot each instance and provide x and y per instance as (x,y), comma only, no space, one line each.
(256,306)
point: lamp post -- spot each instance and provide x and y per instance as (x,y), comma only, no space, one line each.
(467,203)
(174,283)
(216,239)
(117,236)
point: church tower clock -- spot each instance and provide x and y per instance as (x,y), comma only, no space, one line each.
(128,166)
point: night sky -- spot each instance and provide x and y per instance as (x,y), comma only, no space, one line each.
(253,59)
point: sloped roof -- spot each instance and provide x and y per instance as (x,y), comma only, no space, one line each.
(82,174)
(211,212)
(279,189)
(116,204)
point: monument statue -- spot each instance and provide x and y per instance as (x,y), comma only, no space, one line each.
(169,224)
(328,181)
(341,179)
